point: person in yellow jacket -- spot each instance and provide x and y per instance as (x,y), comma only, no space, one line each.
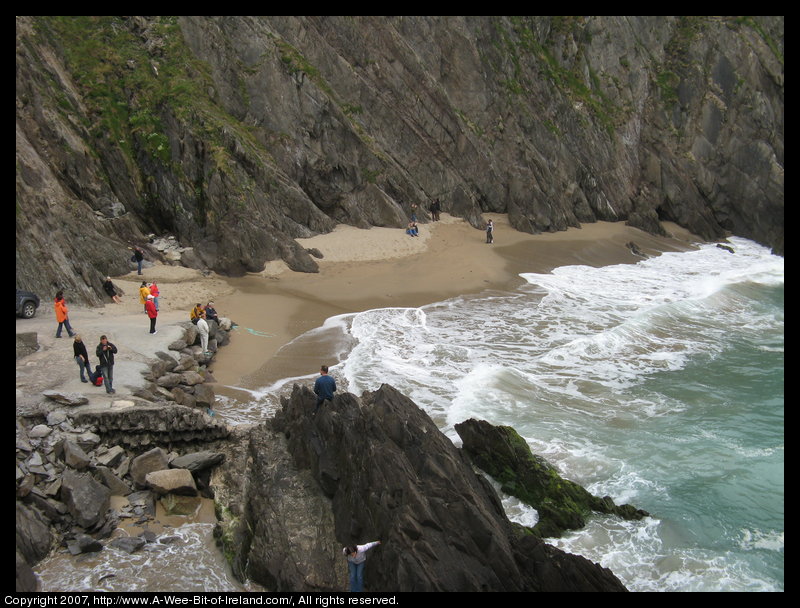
(194,316)
(62,315)
(144,291)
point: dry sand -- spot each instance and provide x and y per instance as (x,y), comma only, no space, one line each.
(360,270)
(384,267)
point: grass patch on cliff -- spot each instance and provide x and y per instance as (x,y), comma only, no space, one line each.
(526,53)
(143,90)
(124,83)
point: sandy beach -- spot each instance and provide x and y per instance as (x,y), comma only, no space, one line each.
(384,267)
(360,270)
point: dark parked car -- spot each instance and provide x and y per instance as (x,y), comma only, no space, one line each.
(27,303)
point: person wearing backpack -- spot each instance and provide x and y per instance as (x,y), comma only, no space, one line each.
(96,377)
(105,355)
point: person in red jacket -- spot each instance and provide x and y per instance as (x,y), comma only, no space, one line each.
(150,309)
(62,315)
(154,292)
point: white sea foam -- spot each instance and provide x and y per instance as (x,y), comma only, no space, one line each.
(152,568)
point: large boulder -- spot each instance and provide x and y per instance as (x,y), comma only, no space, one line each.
(152,460)
(391,475)
(172,481)
(33,534)
(561,504)
(86,499)
(197,461)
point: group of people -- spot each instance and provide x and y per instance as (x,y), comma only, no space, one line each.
(148,296)
(412,229)
(200,315)
(105,352)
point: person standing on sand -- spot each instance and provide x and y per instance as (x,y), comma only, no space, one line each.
(138,256)
(324,387)
(81,357)
(202,329)
(490,232)
(62,315)
(154,292)
(356,557)
(150,309)
(105,354)
(144,291)
(436,208)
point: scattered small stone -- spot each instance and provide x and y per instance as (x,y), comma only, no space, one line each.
(66,398)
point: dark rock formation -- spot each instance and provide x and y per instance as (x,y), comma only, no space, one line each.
(561,504)
(33,536)
(392,476)
(237,135)
(276,526)
(86,499)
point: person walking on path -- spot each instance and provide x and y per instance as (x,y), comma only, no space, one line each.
(154,292)
(62,315)
(324,387)
(105,355)
(81,358)
(109,288)
(150,309)
(356,557)
(202,329)
(490,232)
(144,291)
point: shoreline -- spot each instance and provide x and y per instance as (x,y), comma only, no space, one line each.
(362,269)
(382,267)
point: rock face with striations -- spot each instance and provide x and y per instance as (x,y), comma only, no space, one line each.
(237,135)
(391,475)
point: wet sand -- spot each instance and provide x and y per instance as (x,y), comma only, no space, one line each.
(383,267)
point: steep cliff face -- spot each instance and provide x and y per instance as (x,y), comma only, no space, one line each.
(239,134)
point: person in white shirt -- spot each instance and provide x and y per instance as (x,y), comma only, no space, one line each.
(356,556)
(202,328)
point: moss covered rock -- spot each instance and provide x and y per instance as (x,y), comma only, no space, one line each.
(561,504)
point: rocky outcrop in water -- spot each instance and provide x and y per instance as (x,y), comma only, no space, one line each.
(561,504)
(386,473)
(236,135)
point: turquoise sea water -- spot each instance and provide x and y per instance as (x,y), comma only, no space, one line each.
(658,383)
